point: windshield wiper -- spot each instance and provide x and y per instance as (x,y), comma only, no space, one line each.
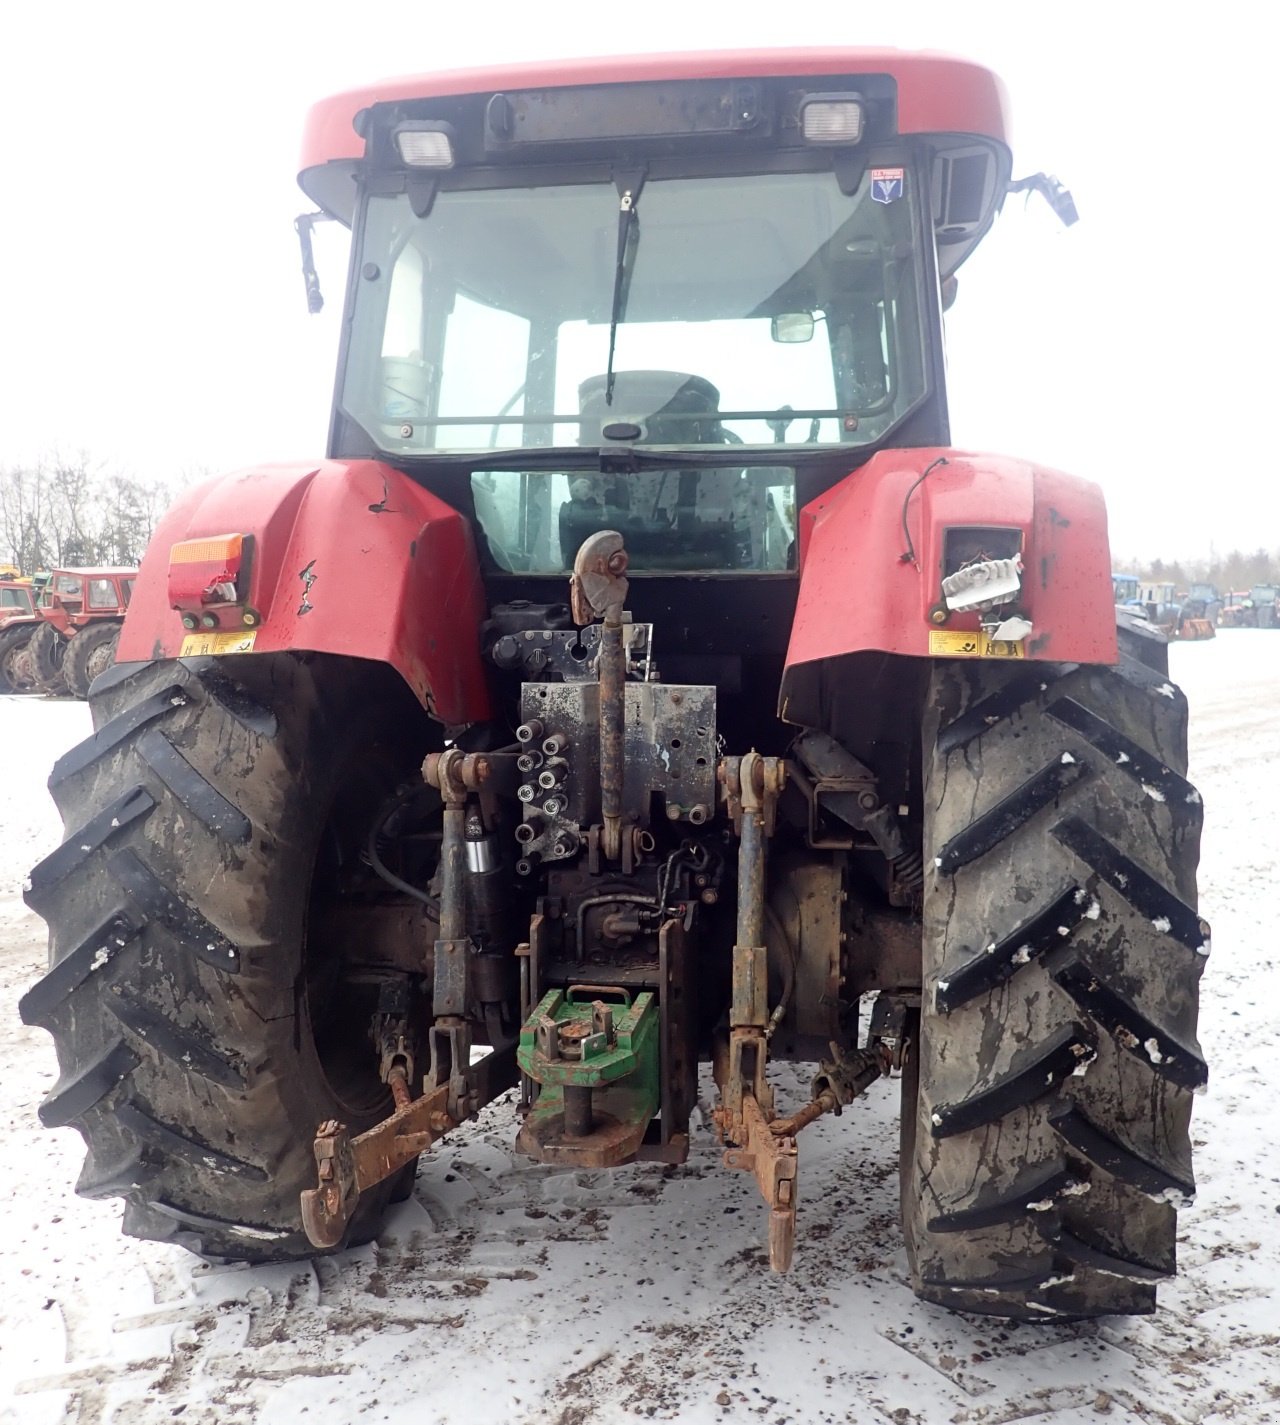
(629,186)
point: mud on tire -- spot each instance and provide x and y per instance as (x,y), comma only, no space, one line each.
(1049,1143)
(190,1022)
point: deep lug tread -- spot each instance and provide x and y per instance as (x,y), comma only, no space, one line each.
(1172,1060)
(174,1042)
(76,1093)
(84,841)
(1030,1077)
(1010,813)
(1032,1194)
(1125,753)
(1166,911)
(195,964)
(94,953)
(1002,959)
(111,735)
(214,1226)
(154,899)
(1086,1140)
(191,789)
(998,707)
(1081,1254)
(165,1138)
(998,1106)
(124,1171)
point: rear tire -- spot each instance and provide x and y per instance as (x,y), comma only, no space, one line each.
(91,652)
(1049,1137)
(218,809)
(47,651)
(15,666)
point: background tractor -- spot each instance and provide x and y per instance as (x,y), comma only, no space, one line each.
(81,612)
(18,621)
(701,695)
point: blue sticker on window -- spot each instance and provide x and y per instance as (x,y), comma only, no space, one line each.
(887,184)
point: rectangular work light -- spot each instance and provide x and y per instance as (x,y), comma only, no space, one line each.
(425,144)
(832,118)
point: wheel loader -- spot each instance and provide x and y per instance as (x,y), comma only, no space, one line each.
(703,706)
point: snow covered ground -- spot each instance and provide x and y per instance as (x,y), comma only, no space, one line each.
(508,1292)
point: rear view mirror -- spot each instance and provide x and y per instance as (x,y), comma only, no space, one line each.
(792,327)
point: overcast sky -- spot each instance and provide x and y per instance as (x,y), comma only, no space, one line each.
(153,315)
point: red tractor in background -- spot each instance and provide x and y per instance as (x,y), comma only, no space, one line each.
(18,620)
(81,613)
(700,694)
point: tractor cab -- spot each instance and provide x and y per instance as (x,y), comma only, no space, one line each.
(638,297)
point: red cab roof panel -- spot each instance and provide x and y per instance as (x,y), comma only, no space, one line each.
(936,93)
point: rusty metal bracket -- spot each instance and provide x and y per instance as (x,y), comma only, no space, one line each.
(598,589)
(347,1167)
(774,1160)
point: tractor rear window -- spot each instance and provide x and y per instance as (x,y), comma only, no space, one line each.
(791,307)
(695,520)
(15,599)
(102,594)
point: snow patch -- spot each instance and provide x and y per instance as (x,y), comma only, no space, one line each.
(1074,1190)
(1064,930)
(100,957)
(1152,1046)
(1121,758)
(1094,911)
(1205,948)
(1059,1281)
(1067,759)
(1154,793)
(1121,879)
(256,1234)
(936,1119)
(1082,1068)
(1172,1197)
(1167,690)
(1193,797)
(1022,955)
(1162,924)
(1044,1205)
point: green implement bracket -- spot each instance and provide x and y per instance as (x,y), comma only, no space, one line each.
(597,1066)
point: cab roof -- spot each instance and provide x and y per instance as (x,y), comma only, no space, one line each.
(937,93)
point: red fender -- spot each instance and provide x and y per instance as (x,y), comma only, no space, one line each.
(862,589)
(348,557)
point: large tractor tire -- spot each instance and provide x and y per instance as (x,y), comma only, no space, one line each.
(1047,1104)
(91,652)
(16,675)
(47,652)
(204,1025)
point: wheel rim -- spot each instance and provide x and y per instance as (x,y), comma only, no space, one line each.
(341,1001)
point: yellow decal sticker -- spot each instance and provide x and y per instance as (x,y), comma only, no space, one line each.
(199,645)
(952,643)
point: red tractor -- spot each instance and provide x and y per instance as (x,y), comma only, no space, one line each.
(82,612)
(18,621)
(701,695)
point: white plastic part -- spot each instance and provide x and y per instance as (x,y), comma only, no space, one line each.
(425,148)
(832,120)
(1014,629)
(983,584)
